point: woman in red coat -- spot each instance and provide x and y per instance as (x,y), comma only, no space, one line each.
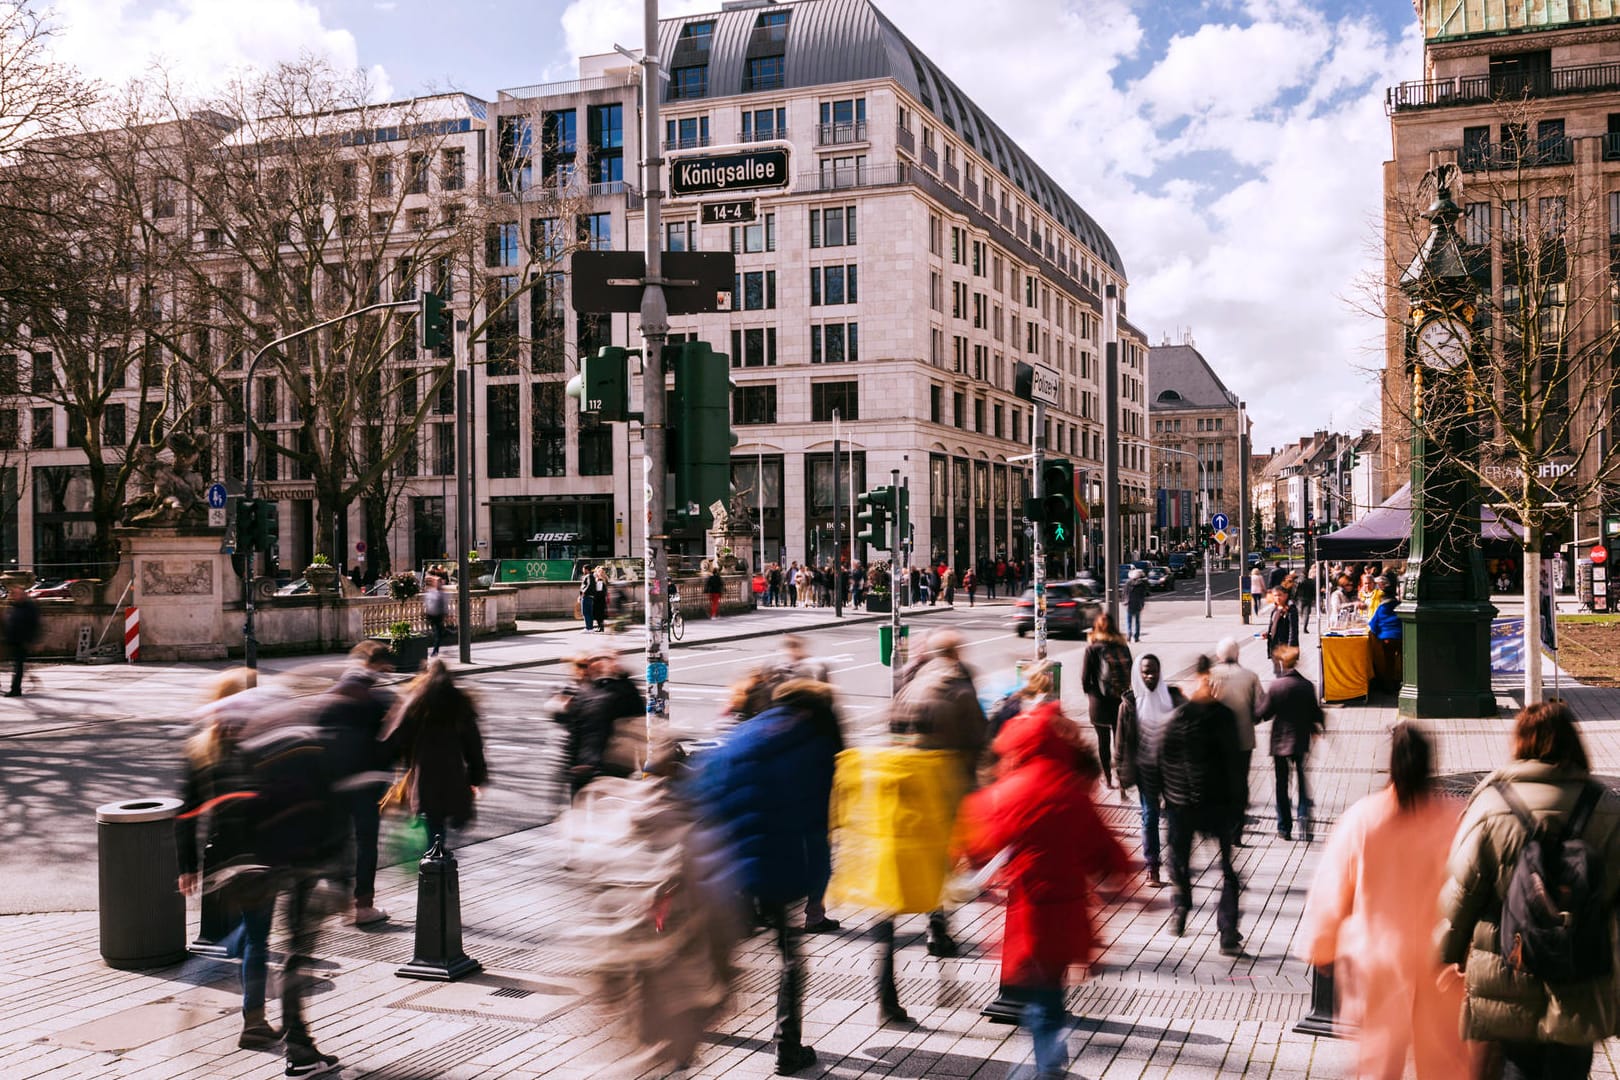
(1041,810)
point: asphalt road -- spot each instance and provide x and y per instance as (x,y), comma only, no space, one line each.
(101,735)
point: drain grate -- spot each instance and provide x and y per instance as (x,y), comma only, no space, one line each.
(512,992)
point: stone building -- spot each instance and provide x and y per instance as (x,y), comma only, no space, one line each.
(1196,431)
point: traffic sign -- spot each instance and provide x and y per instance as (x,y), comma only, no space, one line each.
(216,496)
(729,213)
(716,173)
(1219,522)
(695,282)
(1220,536)
(1600,555)
(360,547)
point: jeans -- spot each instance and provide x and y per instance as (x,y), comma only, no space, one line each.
(1105,736)
(363,811)
(436,624)
(303,929)
(1150,825)
(250,942)
(1045,1018)
(1133,624)
(1545,1061)
(19,656)
(789,1032)
(1184,822)
(1285,820)
(587,607)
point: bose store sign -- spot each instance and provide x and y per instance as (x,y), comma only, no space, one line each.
(717,173)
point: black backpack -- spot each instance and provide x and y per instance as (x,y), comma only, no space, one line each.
(1114,676)
(1554,923)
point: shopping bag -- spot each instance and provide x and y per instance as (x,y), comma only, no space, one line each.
(409,841)
(893,810)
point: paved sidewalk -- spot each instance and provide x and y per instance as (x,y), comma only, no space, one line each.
(1156,1006)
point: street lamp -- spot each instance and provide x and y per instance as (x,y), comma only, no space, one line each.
(1445,613)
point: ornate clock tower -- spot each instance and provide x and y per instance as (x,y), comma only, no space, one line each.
(1445,609)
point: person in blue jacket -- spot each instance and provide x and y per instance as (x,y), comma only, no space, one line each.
(1384,639)
(767,790)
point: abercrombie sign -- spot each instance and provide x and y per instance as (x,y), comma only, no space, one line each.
(728,172)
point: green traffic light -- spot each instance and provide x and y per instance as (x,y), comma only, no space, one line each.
(1059,534)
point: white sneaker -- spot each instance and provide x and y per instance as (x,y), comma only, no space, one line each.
(366,916)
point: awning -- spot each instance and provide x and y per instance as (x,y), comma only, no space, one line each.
(1382,532)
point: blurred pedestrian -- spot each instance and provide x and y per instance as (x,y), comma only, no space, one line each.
(1284,626)
(714,586)
(351,715)
(1305,599)
(947,581)
(1136,590)
(606,724)
(1041,812)
(1541,1025)
(21,628)
(213,793)
(593,600)
(1257,586)
(1144,716)
(768,788)
(1370,917)
(1239,690)
(1199,764)
(435,732)
(436,605)
(1384,639)
(970,582)
(1105,676)
(1296,715)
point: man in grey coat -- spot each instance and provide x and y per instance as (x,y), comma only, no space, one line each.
(1296,715)
(1238,689)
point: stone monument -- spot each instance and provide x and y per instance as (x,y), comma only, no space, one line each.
(733,531)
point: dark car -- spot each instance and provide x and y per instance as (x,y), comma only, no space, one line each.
(1160,579)
(1071,608)
(1255,558)
(1181,564)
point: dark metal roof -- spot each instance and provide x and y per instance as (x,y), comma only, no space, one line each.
(1183,371)
(837,41)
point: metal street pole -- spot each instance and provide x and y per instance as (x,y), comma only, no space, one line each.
(464,526)
(1111,534)
(654,332)
(1243,503)
(838,514)
(1037,443)
(897,550)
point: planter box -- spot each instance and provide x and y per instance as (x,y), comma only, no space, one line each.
(878,604)
(409,653)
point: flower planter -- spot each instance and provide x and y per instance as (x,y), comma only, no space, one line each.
(878,604)
(321,578)
(409,654)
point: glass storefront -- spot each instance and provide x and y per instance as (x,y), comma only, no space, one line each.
(516,520)
(64,522)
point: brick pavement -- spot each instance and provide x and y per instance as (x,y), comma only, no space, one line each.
(1155,1006)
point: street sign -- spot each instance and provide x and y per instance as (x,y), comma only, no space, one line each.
(1220,536)
(216,496)
(729,213)
(712,174)
(1600,555)
(1219,522)
(1037,382)
(695,282)
(360,547)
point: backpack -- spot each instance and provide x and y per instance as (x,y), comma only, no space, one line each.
(1554,924)
(1114,676)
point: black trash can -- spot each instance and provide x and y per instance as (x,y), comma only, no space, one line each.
(143,915)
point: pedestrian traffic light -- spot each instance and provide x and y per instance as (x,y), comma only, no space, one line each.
(247,522)
(878,505)
(434,321)
(269,524)
(258,523)
(701,438)
(603,384)
(1057,503)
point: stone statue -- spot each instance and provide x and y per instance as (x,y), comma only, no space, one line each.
(722,520)
(742,520)
(167,493)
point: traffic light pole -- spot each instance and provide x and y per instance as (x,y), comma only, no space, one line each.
(654,406)
(1037,440)
(838,513)
(897,548)
(1111,532)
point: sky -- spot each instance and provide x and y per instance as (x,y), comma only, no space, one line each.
(1232,149)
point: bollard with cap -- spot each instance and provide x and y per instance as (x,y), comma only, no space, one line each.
(143,915)
(439,956)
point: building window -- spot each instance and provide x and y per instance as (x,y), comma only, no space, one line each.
(416,174)
(382,177)
(113,429)
(755,237)
(595,446)
(765,73)
(843,121)
(686,132)
(754,347)
(42,373)
(755,290)
(548,437)
(453,169)
(842,396)
(500,245)
(833,285)
(501,428)
(978,415)
(444,449)
(689,82)
(596,231)
(959,410)
(832,226)
(843,172)
(934,393)
(761,125)
(680,236)
(558,147)
(754,404)
(997,415)
(501,337)
(605,159)
(43,427)
(834,343)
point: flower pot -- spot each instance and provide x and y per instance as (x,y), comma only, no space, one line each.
(321,578)
(408,654)
(878,604)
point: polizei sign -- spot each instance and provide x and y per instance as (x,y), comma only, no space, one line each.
(716,173)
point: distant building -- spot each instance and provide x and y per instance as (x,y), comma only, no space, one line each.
(1196,427)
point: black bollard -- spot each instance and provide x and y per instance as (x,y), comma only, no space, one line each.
(1323,1020)
(439,956)
(1006,1009)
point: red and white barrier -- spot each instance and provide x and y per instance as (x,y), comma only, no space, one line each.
(132,634)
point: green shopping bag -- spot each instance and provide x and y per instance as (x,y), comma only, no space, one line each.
(409,842)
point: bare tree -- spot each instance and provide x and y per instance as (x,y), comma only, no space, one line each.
(1537,418)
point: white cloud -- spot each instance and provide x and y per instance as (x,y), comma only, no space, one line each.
(202,42)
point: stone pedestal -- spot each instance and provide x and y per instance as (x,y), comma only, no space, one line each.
(741,545)
(181,583)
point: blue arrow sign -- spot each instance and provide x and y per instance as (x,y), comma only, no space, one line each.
(216,496)
(1219,522)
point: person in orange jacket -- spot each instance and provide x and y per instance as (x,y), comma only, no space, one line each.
(1041,811)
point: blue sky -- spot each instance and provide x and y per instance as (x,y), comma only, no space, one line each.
(1230,148)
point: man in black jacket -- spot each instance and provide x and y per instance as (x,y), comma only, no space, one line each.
(351,716)
(592,718)
(1296,716)
(21,628)
(1200,767)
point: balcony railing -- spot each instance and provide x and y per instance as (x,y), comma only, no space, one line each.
(857,177)
(930,157)
(767,135)
(953,176)
(1478,89)
(569,88)
(905,139)
(1485,157)
(836,134)
(690,142)
(971,190)
(611,187)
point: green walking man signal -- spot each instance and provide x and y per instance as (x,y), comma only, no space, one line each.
(1057,503)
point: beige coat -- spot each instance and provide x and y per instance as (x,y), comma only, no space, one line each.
(1501,1003)
(1239,690)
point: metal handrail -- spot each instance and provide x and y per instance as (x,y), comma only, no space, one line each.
(1476,89)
